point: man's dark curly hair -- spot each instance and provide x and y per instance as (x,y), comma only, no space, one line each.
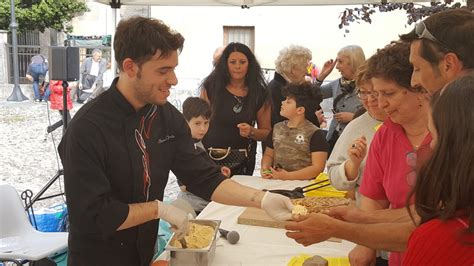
(139,38)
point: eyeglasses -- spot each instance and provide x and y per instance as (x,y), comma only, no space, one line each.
(238,106)
(411,160)
(144,129)
(422,32)
(365,94)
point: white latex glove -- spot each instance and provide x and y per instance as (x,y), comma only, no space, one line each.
(175,216)
(277,206)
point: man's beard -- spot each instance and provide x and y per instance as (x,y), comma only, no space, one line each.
(145,93)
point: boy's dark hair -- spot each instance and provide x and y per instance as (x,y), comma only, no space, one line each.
(196,107)
(139,38)
(304,94)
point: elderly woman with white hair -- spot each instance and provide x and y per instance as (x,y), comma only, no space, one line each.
(291,67)
(342,90)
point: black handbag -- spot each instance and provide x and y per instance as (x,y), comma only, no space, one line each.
(235,159)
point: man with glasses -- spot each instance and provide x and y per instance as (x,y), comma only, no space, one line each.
(120,147)
(441,51)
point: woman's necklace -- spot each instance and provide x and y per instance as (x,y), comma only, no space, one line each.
(415,138)
(238,107)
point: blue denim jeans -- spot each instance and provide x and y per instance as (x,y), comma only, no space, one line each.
(37,70)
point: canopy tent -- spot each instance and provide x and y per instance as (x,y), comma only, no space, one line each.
(238,3)
(246,3)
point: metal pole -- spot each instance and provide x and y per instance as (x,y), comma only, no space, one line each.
(17,95)
(112,50)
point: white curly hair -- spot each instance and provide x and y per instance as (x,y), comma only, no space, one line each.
(291,56)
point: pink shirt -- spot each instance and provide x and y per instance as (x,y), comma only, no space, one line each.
(386,170)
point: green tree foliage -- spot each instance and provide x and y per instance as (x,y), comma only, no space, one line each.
(414,12)
(42,14)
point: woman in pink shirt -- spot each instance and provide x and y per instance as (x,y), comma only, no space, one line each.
(398,145)
(444,190)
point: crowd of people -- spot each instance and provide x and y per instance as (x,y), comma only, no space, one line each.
(401,138)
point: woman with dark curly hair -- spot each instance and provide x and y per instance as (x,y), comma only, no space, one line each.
(399,144)
(444,189)
(236,91)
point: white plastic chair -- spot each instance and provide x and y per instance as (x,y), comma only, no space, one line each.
(19,241)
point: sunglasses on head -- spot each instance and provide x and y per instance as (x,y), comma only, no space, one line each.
(422,32)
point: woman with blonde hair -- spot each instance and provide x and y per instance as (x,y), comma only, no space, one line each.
(342,90)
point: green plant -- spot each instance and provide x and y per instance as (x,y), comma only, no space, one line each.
(42,14)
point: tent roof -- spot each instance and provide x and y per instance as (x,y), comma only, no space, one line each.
(248,3)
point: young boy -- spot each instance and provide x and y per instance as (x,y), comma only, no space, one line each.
(296,148)
(197,112)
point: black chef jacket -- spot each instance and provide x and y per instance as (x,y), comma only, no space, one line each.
(103,173)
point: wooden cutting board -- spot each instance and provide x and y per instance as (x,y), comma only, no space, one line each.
(258,217)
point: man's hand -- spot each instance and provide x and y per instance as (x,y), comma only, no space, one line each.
(175,216)
(311,229)
(344,117)
(347,213)
(277,206)
(362,256)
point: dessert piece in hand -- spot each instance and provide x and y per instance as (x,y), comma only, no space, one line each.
(299,210)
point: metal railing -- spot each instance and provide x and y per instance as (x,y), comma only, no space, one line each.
(25,53)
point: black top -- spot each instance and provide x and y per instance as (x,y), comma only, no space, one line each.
(317,143)
(275,88)
(104,172)
(223,131)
